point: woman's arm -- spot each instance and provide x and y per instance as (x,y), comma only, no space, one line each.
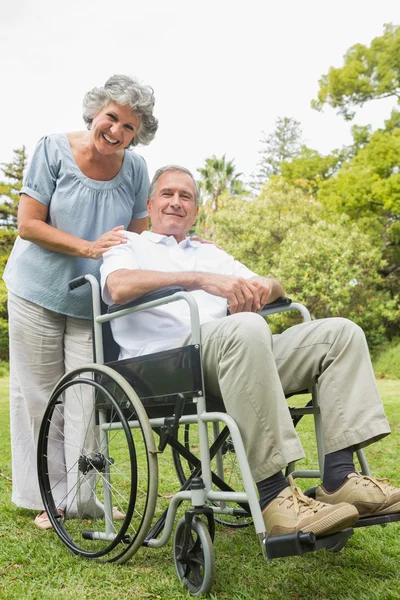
(32,226)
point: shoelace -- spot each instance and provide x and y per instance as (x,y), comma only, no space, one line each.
(301,502)
(380,483)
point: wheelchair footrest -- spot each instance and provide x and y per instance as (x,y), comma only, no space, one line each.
(297,543)
(377,520)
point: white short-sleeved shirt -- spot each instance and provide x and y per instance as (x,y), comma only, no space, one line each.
(83,207)
(162,328)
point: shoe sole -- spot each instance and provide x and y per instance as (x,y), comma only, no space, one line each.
(342,518)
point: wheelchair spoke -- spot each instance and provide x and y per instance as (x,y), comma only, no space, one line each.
(93,467)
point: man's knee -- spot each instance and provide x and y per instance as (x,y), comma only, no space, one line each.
(345,328)
(249,328)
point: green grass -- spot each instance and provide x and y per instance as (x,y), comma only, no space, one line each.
(35,565)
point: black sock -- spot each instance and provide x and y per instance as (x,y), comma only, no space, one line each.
(271,487)
(337,466)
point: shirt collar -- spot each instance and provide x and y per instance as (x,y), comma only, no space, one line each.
(157,238)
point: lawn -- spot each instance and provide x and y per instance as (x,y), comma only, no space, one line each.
(35,565)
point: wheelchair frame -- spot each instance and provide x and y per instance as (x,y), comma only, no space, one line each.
(192,536)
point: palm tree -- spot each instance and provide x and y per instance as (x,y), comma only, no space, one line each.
(218,176)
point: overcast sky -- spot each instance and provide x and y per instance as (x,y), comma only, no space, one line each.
(222,70)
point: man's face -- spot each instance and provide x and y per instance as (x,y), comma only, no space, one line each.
(173,209)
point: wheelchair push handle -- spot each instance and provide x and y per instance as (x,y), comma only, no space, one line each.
(77,282)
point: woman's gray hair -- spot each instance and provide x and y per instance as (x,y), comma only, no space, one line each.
(178,168)
(127,91)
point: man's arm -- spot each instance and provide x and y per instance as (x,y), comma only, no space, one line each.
(243,295)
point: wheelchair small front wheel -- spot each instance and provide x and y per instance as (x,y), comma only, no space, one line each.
(197,568)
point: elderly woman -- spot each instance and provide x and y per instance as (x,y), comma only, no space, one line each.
(81,190)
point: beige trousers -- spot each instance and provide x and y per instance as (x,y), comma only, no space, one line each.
(43,346)
(252,370)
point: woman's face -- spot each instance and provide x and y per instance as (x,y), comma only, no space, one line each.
(113,128)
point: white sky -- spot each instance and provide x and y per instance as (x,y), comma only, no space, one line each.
(222,70)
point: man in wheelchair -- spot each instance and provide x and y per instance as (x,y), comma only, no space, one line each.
(251,369)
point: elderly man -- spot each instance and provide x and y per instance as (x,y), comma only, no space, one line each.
(251,369)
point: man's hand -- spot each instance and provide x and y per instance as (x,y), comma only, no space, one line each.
(268,289)
(242,294)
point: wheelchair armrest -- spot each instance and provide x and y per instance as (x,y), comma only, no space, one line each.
(161,293)
(279,305)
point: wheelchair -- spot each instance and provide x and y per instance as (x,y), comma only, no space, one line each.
(106,479)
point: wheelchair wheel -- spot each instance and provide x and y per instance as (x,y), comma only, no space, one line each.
(97,462)
(197,569)
(225,470)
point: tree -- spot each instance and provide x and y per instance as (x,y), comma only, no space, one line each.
(218,176)
(368,73)
(282,144)
(14,172)
(7,239)
(310,168)
(9,199)
(323,260)
(367,189)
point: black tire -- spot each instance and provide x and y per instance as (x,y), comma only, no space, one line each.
(111,463)
(226,470)
(197,570)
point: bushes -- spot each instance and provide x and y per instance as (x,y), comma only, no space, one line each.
(7,238)
(387,361)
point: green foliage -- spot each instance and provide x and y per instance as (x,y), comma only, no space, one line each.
(3,340)
(7,239)
(4,369)
(9,199)
(218,176)
(282,144)
(368,73)
(310,168)
(9,196)
(387,361)
(367,188)
(325,262)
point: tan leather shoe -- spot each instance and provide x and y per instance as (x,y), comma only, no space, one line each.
(293,511)
(42,520)
(371,496)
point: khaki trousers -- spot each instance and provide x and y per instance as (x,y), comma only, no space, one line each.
(252,370)
(43,346)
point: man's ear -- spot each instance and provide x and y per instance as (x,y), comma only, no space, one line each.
(148,204)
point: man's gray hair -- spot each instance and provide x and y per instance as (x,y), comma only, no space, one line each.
(126,91)
(180,169)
